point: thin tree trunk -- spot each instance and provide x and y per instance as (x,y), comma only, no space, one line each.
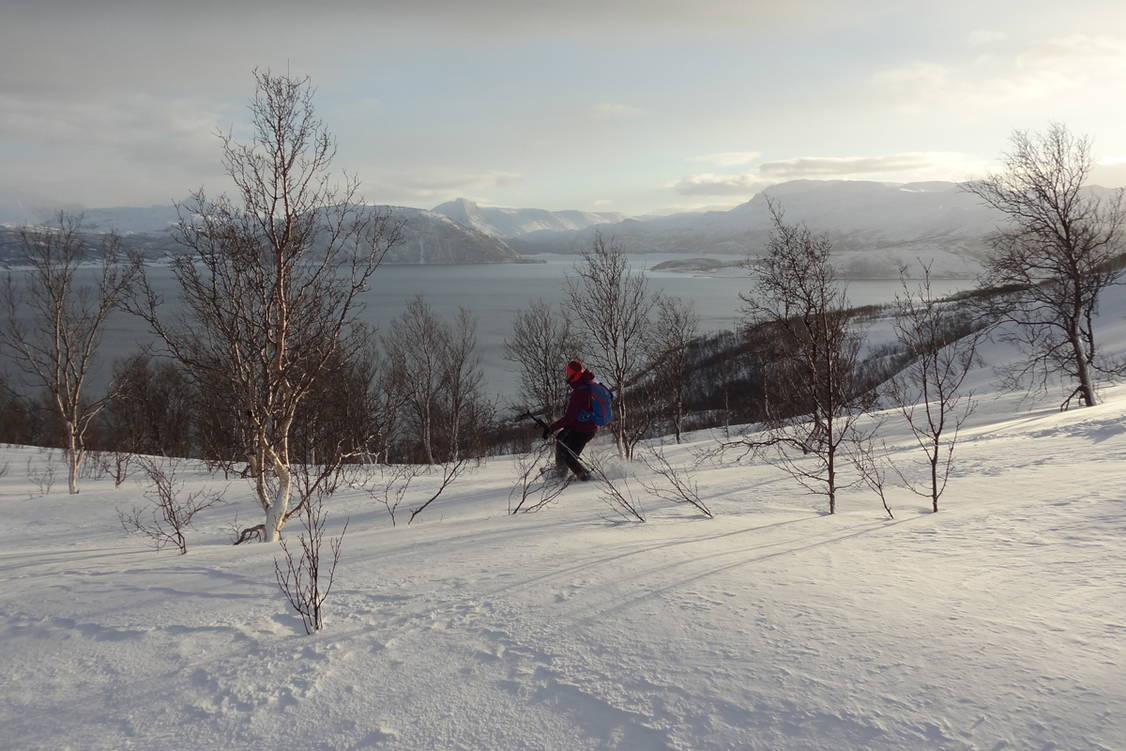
(427,435)
(279,506)
(73,457)
(678,417)
(832,477)
(934,475)
(1082,365)
(620,429)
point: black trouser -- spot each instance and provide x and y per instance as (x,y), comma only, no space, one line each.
(575,441)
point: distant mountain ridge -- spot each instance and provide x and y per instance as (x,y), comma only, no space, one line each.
(427,237)
(506,223)
(131,219)
(431,238)
(875,227)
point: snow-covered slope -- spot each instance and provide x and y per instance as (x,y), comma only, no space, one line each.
(997,623)
(506,223)
(432,238)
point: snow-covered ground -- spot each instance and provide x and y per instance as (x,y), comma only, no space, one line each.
(998,623)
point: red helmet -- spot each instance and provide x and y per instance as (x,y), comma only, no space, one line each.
(573,370)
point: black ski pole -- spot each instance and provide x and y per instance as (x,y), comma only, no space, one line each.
(545,426)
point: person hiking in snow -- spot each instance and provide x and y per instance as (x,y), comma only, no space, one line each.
(576,427)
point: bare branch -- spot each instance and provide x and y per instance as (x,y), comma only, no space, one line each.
(678,486)
(814,395)
(450,472)
(55,346)
(304,582)
(1060,248)
(170,513)
(270,280)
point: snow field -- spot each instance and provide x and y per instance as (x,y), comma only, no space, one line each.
(996,624)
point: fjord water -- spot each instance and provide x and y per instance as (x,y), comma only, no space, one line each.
(494,293)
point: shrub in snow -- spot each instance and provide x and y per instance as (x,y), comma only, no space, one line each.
(671,483)
(169,512)
(537,481)
(42,477)
(388,485)
(302,578)
(928,392)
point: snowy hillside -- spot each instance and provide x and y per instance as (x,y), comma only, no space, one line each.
(996,624)
(506,223)
(432,238)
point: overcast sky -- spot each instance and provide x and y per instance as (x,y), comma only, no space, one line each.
(634,107)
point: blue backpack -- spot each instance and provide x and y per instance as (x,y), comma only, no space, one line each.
(601,410)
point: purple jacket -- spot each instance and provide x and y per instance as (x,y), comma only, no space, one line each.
(581,399)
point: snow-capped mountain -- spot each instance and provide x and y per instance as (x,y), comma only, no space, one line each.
(431,238)
(127,220)
(874,226)
(18,209)
(426,237)
(506,223)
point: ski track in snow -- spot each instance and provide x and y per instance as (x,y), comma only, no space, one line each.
(996,624)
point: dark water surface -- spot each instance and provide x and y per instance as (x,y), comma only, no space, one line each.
(494,293)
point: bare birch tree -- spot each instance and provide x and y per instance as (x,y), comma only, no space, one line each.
(468,410)
(416,344)
(928,392)
(811,369)
(152,409)
(612,306)
(676,328)
(337,424)
(440,381)
(541,343)
(390,404)
(270,279)
(1059,249)
(55,323)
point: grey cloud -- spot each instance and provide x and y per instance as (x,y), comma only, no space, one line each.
(830,166)
(444,181)
(614,110)
(718,185)
(438,184)
(729,158)
(1109,175)
(1077,50)
(134,127)
(769,173)
(125,148)
(374,18)
(985,37)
